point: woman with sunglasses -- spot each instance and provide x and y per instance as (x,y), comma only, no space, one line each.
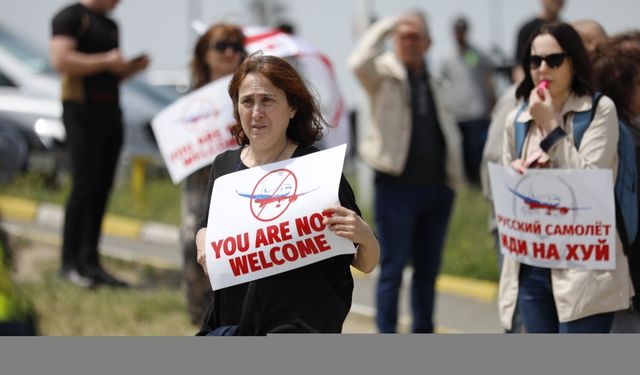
(217,53)
(554,300)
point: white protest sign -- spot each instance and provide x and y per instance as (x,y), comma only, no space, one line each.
(556,218)
(267,220)
(193,130)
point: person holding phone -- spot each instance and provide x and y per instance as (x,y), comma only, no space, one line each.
(84,49)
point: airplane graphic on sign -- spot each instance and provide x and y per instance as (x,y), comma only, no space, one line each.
(550,204)
(284,193)
(277,189)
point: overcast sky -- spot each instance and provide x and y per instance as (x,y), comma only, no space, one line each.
(161,27)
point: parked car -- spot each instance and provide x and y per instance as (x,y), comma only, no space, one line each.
(29,97)
(13,150)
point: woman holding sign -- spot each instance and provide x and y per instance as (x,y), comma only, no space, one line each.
(556,86)
(279,119)
(217,53)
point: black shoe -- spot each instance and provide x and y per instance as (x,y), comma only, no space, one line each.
(100,277)
(73,276)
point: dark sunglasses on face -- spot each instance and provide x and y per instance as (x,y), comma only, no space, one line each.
(553,60)
(223,45)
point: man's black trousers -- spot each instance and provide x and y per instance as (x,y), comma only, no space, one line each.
(94,140)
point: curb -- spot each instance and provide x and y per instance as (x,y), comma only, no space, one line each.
(52,215)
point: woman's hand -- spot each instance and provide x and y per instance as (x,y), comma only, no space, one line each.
(201,257)
(518,166)
(346,223)
(541,109)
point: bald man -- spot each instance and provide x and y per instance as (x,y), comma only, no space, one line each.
(591,33)
(413,145)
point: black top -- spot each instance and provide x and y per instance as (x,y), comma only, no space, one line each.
(426,160)
(524,34)
(313,298)
(94,33)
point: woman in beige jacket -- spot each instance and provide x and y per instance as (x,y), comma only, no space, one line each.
(562,300)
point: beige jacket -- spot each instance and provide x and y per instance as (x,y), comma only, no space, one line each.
(492,152)
(577,293)
(385,147)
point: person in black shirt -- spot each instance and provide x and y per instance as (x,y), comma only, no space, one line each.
(277,119)
(84,50)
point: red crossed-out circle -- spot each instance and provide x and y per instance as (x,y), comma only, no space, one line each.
(272,207)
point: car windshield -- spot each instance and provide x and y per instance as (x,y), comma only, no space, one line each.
(160,96)
(32,57)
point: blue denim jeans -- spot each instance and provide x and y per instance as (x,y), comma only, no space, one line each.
(538,309)
(412,223)
(224,331)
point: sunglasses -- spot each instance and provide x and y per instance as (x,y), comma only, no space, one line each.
(223,45)
(553,61)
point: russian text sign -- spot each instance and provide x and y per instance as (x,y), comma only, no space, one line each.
(556,218)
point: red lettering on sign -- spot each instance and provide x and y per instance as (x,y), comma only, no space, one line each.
(538,250)
(272,232)
(602,250)
(316,222)
(261,238)
(230,244)
(573,252)
(514,245)
(289,252)
(285,231)
(277,255)
(216,248)
(180,152)
(553,252)
(253,262)
(265,263)
(586,251)
(239,265)
(272,254)
(302,226)
(322,243)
